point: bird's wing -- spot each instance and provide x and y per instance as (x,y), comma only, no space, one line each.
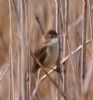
(41,55)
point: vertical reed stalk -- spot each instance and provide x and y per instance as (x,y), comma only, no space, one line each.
(83,70)
(58,29)
(12,92)
(23,42)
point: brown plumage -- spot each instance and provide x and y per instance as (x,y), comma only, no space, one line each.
(41,55)
(48,53)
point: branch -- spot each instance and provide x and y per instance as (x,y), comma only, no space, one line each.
(83,70)
(36,86)
(39,23)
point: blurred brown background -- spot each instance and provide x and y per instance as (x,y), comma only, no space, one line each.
(45,9)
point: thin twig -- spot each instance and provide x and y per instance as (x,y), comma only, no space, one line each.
(36,86)
(90,17)
(83,70)
(38,21)
(19,75)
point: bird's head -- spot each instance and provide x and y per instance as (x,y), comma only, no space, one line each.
(50,35)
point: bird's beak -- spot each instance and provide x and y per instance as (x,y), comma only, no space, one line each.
(59,36)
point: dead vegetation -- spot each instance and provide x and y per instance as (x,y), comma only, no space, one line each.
(23,22)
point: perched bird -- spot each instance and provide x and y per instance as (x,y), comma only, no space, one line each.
(48,53)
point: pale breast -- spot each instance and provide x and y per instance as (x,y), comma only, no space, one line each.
(53,51)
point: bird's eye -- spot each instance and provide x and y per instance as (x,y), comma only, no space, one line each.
(51,36)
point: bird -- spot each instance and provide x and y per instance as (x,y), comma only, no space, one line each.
(48,53)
